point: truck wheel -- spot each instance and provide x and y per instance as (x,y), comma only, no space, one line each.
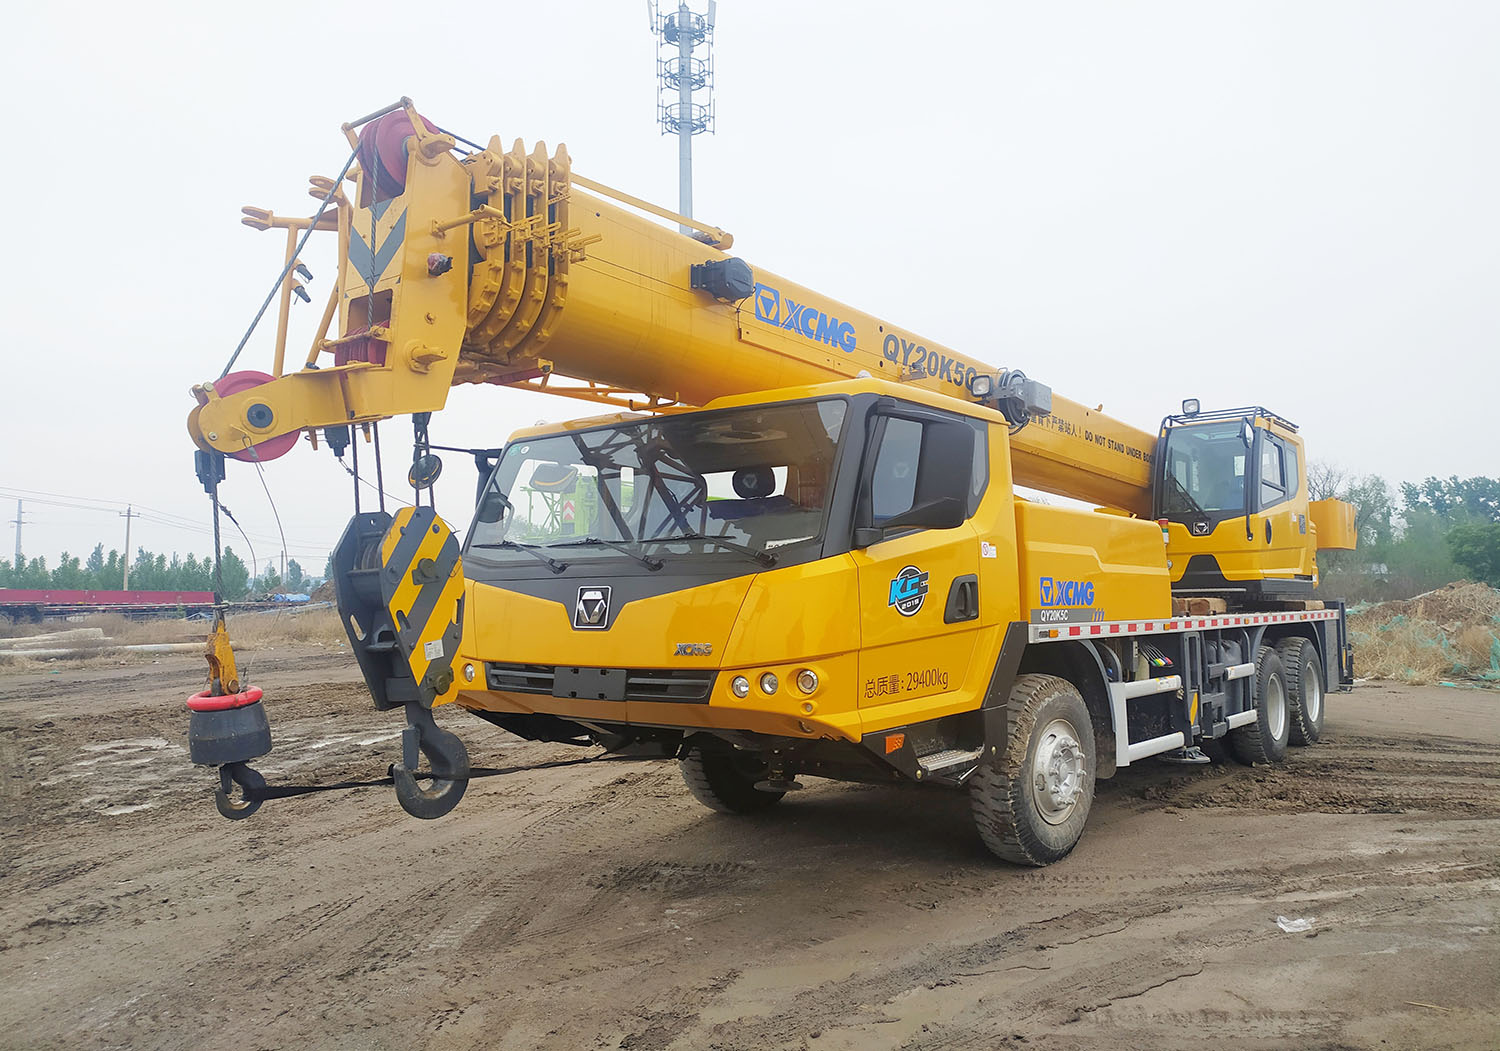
(725,781)
(1264,740)
(1304,688)
(1031,801)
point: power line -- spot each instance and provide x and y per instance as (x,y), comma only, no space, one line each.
(141,511)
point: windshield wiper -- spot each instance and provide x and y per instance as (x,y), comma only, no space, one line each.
(650,563)
(765,558)
(1187,495)
(531,549)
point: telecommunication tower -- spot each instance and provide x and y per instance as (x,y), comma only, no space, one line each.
(680,75)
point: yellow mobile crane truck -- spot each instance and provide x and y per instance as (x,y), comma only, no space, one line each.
(794,546)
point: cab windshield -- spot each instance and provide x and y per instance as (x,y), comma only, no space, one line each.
(741,483)
(1205,469)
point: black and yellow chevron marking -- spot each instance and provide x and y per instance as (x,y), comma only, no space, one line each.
(422,583)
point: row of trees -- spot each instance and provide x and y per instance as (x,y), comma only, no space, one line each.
(151,571)
(1414,538)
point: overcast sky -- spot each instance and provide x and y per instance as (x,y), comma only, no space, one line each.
(1296,204)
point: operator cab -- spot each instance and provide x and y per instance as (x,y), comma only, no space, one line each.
(1231,494)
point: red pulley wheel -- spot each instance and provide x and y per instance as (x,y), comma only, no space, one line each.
(271,448)
(382,151)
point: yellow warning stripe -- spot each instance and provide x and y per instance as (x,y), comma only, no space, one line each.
(405,596)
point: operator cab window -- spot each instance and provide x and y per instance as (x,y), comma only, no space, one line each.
(1204,470)
(1273,487)
(721,486)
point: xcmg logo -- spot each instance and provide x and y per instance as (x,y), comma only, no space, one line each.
(1067,592)
(804,320)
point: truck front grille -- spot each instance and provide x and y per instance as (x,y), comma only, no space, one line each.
(673,685)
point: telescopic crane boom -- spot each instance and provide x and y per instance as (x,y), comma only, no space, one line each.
(504,267)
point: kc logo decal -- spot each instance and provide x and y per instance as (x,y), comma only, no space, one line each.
(908,590)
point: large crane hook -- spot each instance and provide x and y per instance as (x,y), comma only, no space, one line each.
(450,766)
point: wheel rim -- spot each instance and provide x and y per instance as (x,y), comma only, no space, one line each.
(1312,698)
(1276,706)
(1057,771)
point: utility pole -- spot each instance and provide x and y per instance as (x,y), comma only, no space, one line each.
(127,514)
(679,74)
(17,563)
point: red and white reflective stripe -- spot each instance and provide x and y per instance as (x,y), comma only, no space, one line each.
(1047,633)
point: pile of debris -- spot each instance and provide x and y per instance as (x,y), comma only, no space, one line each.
(1449,634)
(84,642)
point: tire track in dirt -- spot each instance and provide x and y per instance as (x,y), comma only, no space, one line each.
(599,907)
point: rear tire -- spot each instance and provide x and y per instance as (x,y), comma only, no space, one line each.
(1304,689)
(725,781)
(1264,740)
(1051,742)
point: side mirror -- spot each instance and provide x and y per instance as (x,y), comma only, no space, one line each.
(424,471)
(946,512)
(492,506)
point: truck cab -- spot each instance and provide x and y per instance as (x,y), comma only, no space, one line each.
(836,579)
(1231,493)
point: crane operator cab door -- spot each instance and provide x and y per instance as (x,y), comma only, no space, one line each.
(917,554)
(1281,534)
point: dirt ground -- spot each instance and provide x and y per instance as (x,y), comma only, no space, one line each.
(598,906)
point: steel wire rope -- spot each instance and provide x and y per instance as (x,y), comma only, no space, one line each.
(365,481)
(260,472)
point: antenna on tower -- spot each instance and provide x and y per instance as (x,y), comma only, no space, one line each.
(680,76)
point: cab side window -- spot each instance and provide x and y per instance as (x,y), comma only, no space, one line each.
(1273,487)
(913,460)
(893,483)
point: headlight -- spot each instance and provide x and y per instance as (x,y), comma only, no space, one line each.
(740,686)
(468,673)
(807,680)
(768,683)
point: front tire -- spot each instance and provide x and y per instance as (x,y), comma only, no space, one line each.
(1031,802)
(1264,740)
(725,781)
(1304,688)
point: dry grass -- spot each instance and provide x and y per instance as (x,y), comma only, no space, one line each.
(1447,634)
(289,627)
